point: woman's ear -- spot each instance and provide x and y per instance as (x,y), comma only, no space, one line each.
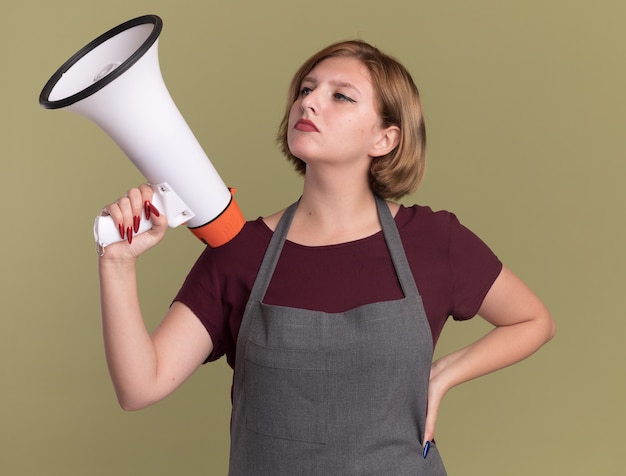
(389,138)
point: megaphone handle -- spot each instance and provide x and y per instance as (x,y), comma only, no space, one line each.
(164,199)
(106,233)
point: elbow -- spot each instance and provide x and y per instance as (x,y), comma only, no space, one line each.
(549,327)
(136,397)
(552,331)
(132,404)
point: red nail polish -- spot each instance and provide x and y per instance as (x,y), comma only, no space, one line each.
(121,228)
(136,223)
(129,234)
(146,209)
(154,210)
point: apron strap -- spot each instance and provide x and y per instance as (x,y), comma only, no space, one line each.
(396,249)
(272,254)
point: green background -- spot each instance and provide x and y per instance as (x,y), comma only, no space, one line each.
(525,106)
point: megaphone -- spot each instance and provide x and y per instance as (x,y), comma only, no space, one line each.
(115,81)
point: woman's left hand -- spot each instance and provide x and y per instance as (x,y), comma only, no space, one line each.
(522,325)
(436,392)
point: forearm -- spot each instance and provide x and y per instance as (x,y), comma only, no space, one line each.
(522,325)
(130,353)
(503,346)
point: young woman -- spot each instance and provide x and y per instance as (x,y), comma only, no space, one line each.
(328,311)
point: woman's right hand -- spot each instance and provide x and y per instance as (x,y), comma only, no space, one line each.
(126,213)
(145,366)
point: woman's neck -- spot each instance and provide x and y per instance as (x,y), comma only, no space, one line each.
(337,206)
(334,210)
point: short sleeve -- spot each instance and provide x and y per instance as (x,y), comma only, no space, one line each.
(201,292)
(218,286)
(473,266)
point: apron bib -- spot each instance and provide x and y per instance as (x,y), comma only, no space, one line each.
(328,394)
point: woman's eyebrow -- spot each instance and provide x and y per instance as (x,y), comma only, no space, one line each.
(343,84)
(334,82)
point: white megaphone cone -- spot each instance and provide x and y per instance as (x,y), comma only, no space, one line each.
(115,81)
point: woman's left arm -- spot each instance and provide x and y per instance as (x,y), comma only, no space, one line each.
(522,325)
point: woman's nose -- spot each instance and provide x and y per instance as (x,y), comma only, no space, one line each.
(310,102)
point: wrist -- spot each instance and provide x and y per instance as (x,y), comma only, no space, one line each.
(116,264)
(442,374)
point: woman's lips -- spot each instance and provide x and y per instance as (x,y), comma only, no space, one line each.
(306,126)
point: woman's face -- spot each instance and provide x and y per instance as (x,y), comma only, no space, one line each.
(334,119)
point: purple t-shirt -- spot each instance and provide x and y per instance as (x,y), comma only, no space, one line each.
(452,267)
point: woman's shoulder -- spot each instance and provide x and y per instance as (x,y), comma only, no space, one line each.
(255,233)
(250,242)
(270,222)
(441,230)
(425,218)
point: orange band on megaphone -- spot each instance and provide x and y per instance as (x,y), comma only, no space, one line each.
(224,227)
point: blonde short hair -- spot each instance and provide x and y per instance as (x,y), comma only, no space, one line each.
(400,171)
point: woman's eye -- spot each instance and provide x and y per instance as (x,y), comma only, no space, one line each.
(343,97)
(305,91)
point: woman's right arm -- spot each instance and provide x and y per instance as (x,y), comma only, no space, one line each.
(144,367)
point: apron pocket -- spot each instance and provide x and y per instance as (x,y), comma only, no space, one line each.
(287,393)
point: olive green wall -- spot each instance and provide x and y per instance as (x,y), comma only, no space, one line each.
(525,108)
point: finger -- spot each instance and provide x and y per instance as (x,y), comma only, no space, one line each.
(126,224)
(153,213)
(431,420)
(147,190)
(115,212)
(135,197)
(147,194)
